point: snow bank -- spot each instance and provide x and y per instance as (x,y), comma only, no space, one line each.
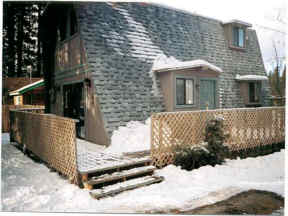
(234,176)
(135,136)
(30,186)
(5,138)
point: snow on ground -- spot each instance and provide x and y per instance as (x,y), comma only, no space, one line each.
(135,136)
(5,138)
(30,186)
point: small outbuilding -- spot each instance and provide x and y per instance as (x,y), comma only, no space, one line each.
(32,94)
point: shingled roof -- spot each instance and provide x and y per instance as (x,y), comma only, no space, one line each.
(122,41)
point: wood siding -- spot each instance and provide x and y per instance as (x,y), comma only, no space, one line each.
(70,59)
(166,84)
(95,131)
(71,67)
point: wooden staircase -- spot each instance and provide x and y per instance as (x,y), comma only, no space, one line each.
(112,179)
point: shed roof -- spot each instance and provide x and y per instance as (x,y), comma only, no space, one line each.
(26,88)
(251,77)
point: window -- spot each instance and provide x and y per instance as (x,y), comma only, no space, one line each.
(238,37)
(67,26)
(184,91)
(254,92)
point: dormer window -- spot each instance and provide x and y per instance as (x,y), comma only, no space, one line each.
(235,33)
(238,37)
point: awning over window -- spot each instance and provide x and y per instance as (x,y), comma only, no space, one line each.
(251,78)
(163,63)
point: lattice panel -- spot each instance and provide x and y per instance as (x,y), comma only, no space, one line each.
(247,127)
(50,137)
(7,108)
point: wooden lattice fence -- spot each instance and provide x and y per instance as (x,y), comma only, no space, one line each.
(7,108)
(51,138)
(248,128)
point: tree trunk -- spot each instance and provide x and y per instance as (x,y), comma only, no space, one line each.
(11,39)
(20,41)
(38,73)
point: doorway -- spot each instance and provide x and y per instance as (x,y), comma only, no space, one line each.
(74,106)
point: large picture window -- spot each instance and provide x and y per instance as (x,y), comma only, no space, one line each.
(254,92)
(238,37)
(184,91)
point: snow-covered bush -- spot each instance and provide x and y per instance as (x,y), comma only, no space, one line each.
(210,152)
(192,157)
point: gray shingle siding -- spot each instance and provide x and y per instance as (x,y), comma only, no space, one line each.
(122,42)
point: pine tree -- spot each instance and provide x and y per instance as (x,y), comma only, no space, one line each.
(9,42)
(21,49)
(20,34)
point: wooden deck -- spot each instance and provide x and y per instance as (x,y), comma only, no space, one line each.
(107,174)
(91,160)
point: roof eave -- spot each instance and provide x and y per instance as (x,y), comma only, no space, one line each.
(218,70)
(26,88)
(251,78)
(248,25)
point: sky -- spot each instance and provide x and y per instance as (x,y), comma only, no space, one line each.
(268,18)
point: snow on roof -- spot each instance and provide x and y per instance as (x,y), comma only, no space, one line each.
(164,63)
(238,22)
(27,87)
(251,77)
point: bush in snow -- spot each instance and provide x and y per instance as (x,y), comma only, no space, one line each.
(210,152)
(192,157)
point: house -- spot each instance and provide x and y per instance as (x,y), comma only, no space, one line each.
(22,91)
(110,63)
(32,93)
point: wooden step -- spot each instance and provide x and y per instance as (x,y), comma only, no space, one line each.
(137,154)
(121,175)
(123,186)
(117,165)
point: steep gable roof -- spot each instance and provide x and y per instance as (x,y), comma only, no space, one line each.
(123,40)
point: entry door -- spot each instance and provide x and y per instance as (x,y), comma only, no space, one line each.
(74,106)
(207,93)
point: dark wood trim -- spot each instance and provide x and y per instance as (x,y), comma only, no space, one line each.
(242,49)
